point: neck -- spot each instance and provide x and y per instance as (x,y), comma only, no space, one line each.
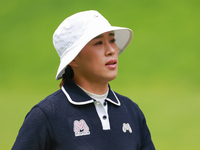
(98,88)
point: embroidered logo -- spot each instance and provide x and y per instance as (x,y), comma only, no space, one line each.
(125,127)
(81,128)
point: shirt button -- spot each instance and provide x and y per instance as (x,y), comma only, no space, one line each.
(104,117)
(104,103)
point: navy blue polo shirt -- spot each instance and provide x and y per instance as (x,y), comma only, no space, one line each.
(68,120)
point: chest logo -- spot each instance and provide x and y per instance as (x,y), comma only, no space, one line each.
(126,127)
(81,128)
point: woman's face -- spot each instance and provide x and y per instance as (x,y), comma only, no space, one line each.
(98,60)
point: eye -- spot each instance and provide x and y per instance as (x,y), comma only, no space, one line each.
(98,43)
(113,40)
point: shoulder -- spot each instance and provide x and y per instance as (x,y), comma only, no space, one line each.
(130,105)
(50,104)
(52,100)
(126,100)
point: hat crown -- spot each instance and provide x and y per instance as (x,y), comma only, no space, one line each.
(73,27)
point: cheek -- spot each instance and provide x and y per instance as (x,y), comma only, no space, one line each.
(88,60)
(116,49)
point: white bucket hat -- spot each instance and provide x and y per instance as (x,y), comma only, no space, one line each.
(77,30)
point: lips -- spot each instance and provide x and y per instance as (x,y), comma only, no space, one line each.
(112,63)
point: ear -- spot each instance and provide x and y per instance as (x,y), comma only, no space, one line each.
(73,63)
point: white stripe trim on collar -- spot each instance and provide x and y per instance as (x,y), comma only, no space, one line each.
(118,102)
(75,103)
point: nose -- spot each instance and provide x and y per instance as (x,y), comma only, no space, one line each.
(110,49)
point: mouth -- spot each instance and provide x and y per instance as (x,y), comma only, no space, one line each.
(111,63)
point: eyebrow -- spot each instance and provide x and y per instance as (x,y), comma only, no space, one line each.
(101,35)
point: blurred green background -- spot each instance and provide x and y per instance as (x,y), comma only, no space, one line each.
(160,70)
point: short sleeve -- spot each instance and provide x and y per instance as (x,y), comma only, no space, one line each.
(147,143)
(35,133)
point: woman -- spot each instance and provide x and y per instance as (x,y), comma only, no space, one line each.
(85,114)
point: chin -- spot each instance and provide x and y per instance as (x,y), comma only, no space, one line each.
(110,78)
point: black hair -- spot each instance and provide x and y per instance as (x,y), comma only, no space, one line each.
(69,73)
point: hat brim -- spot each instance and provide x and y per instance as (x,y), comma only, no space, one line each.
(123,37)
